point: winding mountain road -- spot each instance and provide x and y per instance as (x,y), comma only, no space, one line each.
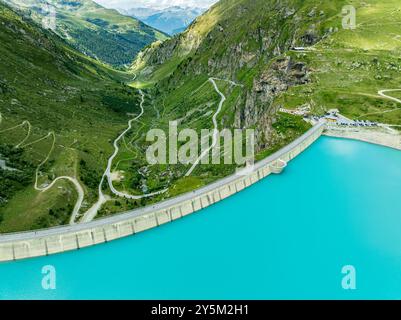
(215,129)
(27,135)
(107,173)
(92,212)
(382,94)
(79,189)
(73,180)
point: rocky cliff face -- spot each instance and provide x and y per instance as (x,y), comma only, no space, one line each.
(246,41)
(257,109)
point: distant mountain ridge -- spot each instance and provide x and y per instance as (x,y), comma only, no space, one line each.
(98,32)
(171,20)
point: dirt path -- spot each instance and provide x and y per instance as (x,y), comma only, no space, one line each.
(215,125)
(383,95)
(92,212)
(73,180)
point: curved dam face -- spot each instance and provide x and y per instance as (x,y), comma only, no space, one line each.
(61,239)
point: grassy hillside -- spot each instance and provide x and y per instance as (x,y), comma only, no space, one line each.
(59,111)
(346,67)
(241,41)
(96,31)
(246,42)
(242,30)
(251,42)
(351,66)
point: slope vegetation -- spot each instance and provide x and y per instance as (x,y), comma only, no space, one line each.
(244,45)
(96,31)
(279,54)
(351,67)
(59,111)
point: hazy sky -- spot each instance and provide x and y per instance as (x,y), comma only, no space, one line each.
(127,4)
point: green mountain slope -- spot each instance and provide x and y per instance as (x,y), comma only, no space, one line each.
(252,50)
(246,42)
(243,41)
(255,43)
(94,30)
(59,110)
(351,66)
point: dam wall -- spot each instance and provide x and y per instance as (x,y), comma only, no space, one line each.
(56,240)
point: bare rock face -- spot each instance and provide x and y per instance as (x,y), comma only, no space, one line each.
(258,111)
(3,87)
(310,37)
(247,43)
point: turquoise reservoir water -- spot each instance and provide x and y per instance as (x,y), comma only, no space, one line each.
(289,236)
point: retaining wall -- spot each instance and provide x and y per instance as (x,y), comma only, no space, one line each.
(61,239)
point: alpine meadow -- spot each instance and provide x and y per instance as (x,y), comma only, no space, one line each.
(97,84)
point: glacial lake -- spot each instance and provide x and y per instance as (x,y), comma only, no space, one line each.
(286,237)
